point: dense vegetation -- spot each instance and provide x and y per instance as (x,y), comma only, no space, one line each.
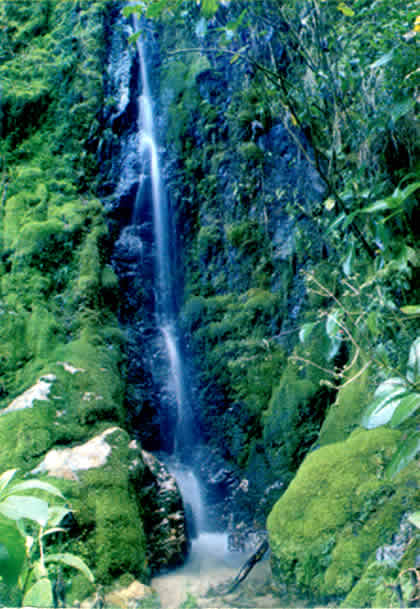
(294,128)
(59,294)
(292,161)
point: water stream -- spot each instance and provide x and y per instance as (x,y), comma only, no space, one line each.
(181,460)
(210,563)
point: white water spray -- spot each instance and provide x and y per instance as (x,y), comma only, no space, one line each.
(180,462)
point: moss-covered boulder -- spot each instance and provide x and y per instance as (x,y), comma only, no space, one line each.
(102,481)
(325,530)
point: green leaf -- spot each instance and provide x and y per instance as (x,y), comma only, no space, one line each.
(414,518)
(209,8)
(72,561)
(6,477)
(411,310)
(401,109)
(347,265)
(127,11)
(346,10)
(22,506)
(333,348)
(134,37)
(405,409)
(56,513)
(12,554)
(408,449)
(413,366)
(40,594)
(386,399)
(374,207)
(332,326)
(305,331)
(38,484)
(382,61)
(155,9)
(372,324)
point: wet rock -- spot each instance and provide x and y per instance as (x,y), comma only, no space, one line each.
(164,516)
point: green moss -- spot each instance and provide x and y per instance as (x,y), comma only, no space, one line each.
(373,589)
(337,511)
(108,511)
(25,435)
(96,393)
(344,415)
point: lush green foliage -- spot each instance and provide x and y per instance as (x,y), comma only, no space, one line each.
(341,80)
(26,520)
(58,293)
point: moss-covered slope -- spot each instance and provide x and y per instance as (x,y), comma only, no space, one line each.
(59,296)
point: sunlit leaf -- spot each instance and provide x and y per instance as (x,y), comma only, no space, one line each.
(129,10)
(408,406)
(346,10)
(372,323)
(382,61)
(134,37)
(329,204)
(332,326)
(387,397)
(305,331)
(374,207)
(413,365)
(21,506)
(404,455)
(155,9)
(334,348)
(414,518)
(411,310)
(6,477)
(72,561)
(209,7)
(40,594)
(39,485)
(201,28)
(56,513)
(347,264)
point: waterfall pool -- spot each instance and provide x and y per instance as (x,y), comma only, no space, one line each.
(209,569)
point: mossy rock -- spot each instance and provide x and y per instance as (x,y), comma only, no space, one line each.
(107,530)
(344,415)
(374,588)
(25,435)
(337,511)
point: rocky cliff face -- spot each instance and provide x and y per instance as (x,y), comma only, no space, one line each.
(256,268)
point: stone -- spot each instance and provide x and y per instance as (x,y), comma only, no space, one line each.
(164,516)
(38,392)
(66,462)
(128,598)
(69,368)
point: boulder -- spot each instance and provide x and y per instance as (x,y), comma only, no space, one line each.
(40,391)
(340,515)
(164,516)
(133,596)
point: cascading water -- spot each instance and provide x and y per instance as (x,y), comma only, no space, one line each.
(180,462)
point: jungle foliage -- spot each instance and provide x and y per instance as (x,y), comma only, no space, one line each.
(331,87)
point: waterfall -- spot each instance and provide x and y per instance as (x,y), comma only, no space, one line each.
(181,461)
